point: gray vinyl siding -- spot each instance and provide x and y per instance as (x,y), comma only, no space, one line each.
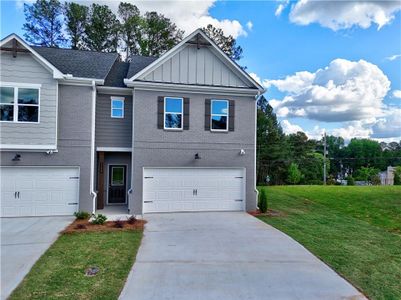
(25,69)
(113,132)
(73,140)
(155,147)
(196,66)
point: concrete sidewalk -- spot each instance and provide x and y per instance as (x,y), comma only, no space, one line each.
(23,241)
(227,255)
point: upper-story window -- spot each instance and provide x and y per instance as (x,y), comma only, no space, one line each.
(117,107)
(219,115)
(173,111)
(19,104)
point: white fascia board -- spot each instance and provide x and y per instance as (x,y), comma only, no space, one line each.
(178,47)
(57,74)
(113,149)
(114,90)
(195,89)
(80,81)
(12,147)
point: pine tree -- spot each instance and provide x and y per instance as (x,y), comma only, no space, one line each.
(76,19)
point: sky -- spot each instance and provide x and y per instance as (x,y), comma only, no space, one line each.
(327,66)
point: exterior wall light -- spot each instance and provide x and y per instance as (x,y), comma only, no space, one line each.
(197,156)
(242,152)
(17,157)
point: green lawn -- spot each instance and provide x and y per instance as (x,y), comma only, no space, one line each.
(59,273)
(355,230)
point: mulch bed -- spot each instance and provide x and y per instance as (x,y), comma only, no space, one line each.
(86,226)
(269,213)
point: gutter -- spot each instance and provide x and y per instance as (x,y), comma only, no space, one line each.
(255,150)
(92,170)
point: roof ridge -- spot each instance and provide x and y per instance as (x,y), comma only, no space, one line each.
(81,50)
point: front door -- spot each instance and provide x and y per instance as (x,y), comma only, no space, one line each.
(117,184)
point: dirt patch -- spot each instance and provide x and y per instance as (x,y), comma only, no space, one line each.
(86,226)
(269,213)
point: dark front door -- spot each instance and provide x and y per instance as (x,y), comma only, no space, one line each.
(117,184)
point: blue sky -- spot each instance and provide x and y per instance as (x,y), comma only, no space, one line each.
(355,45)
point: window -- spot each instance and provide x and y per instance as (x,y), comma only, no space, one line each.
(117,108)
(19,104)
(117,176)
(173,111)
(219,115)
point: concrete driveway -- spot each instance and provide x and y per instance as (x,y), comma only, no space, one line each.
(227,255)
(23,241)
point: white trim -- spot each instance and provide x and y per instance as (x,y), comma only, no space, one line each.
(113,149)
(21,85)
(178,47)
(255,151)
(114,90)
(26,147)
(92,191)
(108,184)
(190,88)
(114,98)
(212,114)
(56,140)
(174,113)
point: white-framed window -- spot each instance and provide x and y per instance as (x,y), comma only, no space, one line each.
(19,104)
(219,115)
(117,107)
(173,113)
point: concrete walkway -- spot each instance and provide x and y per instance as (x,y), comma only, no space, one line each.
(23,241)
(227,255)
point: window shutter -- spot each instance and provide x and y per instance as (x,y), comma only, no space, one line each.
(231,115)
(160,112)
(207,114)
(186,113)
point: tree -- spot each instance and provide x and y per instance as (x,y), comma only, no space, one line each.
(102,29)
(44,23)
(397,175)
(262,201)
(227,43)
(271,145)
(366,174)
(294,174)
(131,26)
(76,19)
(158,35)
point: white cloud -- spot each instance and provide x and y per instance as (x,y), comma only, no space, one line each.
(397,94)
(289,128)
(255,77)
(280,8)
(389,126)
(344,14)
(393,57)
(249,25)
(341,92)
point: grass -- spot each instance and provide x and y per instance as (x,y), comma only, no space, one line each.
(60,272)
(355,230)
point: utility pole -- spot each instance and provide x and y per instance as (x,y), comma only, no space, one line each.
(324,159)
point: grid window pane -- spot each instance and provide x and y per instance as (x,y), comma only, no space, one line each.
(7,95)
(173,105)
(28,113)
(173,121)
(219,122)
(6,112)
(28,96)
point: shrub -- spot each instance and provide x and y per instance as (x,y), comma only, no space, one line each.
(397,175)
(132,220)
(118,224)
(350,180)
(99,219)
(263,201)
(82,215)
(294,174)
(375,180)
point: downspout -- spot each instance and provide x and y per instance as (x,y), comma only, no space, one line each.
(92,170)
(255,150)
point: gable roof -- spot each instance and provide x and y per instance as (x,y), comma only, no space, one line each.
(205,39)
(79,63)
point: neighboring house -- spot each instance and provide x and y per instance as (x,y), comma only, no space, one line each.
(387,177)
(81,130)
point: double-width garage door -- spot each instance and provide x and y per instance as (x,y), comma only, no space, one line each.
(39,191)
(193,189)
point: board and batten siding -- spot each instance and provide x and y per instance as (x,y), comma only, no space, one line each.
(24,69)
(195,66)
(113,132)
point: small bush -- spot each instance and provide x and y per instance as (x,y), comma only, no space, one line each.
(263,201)
(118,224)
(82,215)
(375,180)
(132,220)
(99,219)
(80,226)
(350,180)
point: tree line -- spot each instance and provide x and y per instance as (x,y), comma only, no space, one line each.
(96,27)
(296,159)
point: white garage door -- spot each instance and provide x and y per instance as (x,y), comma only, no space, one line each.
(193,189)
(39,191)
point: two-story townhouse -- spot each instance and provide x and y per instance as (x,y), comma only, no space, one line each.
(81,130)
